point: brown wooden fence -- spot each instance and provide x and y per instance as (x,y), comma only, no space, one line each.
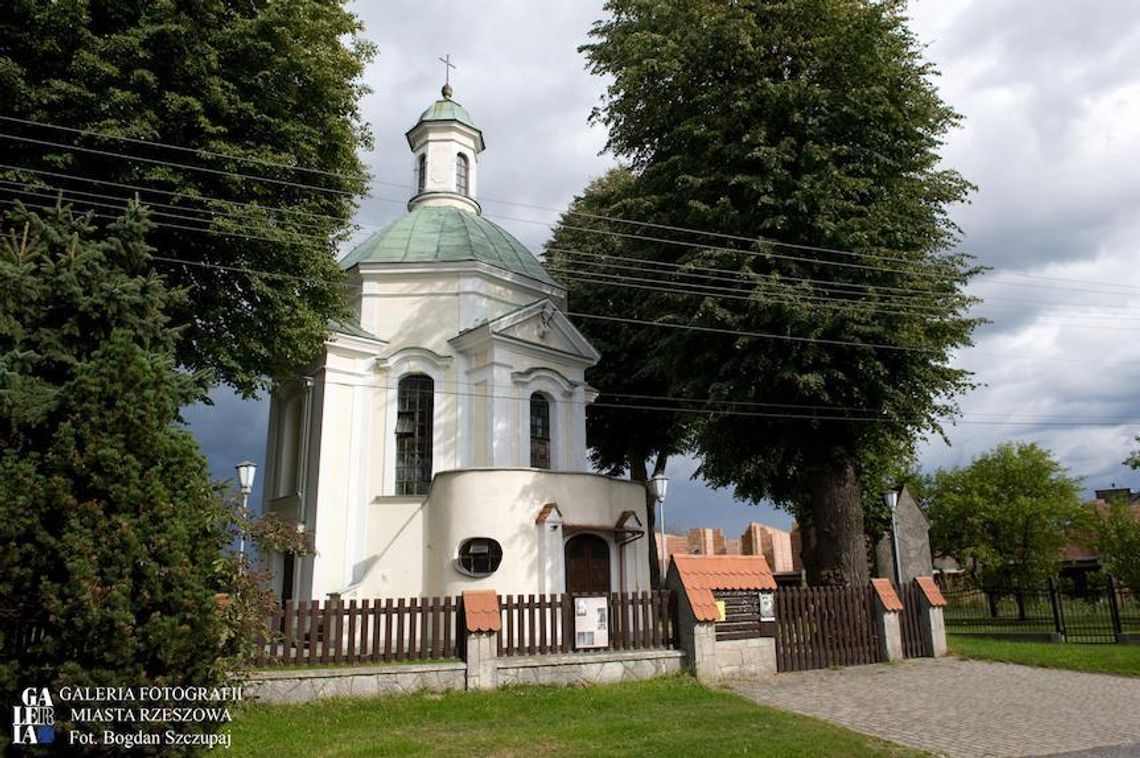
(819,627)
(915,644)
(312,633)
(543,624)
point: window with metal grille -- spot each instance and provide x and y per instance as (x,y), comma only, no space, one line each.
(421,173)
(539,431)
(461,174)
(413,435)
(480,556)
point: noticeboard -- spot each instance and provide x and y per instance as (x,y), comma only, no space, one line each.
(591,623)
(747,613)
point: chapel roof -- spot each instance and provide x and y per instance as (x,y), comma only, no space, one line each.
(445,234)
(447,110)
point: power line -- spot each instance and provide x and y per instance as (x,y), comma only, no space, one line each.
(48,194)
(582,315)
(213,212)
(371,181)
(200,198)
(183,166)
(1058,421)
(192,150)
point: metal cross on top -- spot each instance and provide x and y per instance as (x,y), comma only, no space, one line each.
(447,70)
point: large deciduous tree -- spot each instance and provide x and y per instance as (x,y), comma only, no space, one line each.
(630,428)
(1007,515)
(804,134)
(270,81)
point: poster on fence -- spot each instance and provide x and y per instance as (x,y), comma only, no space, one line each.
(591,622)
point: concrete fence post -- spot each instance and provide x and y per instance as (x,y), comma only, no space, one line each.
(887,610)
(931,603)
(482,623)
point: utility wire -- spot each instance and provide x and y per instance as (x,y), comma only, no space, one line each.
(1059,421)
(585,229)
(371,181)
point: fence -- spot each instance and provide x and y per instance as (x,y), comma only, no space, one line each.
(1099,614)
(819,627)
(543,624)
(310,633)
(915,644)
(334,631)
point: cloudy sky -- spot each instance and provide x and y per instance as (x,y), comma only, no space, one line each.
(1050,92)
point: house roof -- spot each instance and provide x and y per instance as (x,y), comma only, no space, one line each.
(701,574)
(445,234)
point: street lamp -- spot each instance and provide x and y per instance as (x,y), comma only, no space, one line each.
(658,485)
(246,471)
(892,500)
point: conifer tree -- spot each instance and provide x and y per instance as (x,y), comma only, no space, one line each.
(111,531)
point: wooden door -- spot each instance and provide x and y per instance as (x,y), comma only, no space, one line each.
(587,565)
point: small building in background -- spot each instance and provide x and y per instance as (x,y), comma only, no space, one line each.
(774,544)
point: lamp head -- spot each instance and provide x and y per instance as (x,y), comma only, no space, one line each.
(658,486)
(246,471)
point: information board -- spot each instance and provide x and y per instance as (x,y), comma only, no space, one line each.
(591,622)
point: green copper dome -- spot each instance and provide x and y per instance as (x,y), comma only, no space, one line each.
(442,234)
(447,110)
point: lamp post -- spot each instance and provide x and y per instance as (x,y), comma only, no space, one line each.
(658,486)
(246,471)
(892,499)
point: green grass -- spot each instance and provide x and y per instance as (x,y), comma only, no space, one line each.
(672,716)
(1101,659)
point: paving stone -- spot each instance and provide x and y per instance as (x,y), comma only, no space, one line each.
(964,708)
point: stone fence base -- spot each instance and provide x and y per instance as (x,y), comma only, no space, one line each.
(303,685)
(590,668)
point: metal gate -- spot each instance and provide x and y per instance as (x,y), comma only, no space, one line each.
(820,627)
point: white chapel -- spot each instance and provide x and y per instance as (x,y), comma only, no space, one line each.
(439,443)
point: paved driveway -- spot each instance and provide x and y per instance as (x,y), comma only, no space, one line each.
(966,708)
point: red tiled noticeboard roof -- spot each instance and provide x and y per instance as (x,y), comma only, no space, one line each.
(481,610)
(887,595)
(701,574)
(930,588)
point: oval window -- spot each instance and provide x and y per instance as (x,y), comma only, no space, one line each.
(479,556)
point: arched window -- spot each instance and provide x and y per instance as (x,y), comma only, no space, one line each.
(461,174)
(421,173)
(414,403)
(539,431)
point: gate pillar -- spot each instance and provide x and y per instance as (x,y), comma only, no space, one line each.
(932,602)
(887,610)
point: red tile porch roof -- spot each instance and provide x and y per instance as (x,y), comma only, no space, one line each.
(701,574)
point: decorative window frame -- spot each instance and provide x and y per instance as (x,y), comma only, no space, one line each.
(559,392)
(402,363)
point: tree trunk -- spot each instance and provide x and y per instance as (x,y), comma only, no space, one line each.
(840,550)
(639,472)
